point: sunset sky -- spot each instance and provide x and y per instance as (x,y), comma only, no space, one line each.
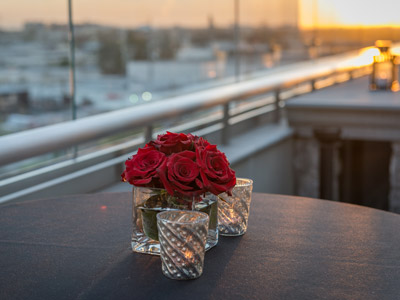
(195,13)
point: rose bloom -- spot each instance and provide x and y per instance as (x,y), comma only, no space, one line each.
(180,174)
(216,175)
(200,142)
(141,169)
(172,142)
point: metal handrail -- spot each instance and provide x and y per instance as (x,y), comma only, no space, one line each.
(30,143)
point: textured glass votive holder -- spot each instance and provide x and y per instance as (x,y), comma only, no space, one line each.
(233,211)
(182,235)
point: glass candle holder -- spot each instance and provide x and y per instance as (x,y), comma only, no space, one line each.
(233,211)
(182,236)
(148,202)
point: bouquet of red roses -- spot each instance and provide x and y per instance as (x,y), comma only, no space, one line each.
(183,164)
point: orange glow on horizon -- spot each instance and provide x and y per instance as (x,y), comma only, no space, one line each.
(196,13)
(349,14)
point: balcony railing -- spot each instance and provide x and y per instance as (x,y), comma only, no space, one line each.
(270,92)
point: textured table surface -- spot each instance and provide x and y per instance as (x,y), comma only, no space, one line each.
(78,247)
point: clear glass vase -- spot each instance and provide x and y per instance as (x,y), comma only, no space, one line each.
(148,202)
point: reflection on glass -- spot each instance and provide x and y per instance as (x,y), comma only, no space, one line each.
(33,76)
(132,53)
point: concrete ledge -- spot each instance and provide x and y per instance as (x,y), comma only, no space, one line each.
(254,141)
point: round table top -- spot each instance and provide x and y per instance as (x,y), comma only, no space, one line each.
(78,247)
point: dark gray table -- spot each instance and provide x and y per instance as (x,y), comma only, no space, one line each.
(78,247)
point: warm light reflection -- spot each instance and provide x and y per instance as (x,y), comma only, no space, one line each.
(366,56)
(188,254)
(103,207)
(395,50)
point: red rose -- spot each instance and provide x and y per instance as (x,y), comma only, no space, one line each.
(180,174)
(141,169)
(172,142)
(200,142)
(148,146)
(183,164)
(216,175)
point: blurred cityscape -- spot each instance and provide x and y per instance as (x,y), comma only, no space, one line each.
(119,67)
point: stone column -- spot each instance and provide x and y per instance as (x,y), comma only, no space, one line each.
(394,195)
(306,167)
(328,139)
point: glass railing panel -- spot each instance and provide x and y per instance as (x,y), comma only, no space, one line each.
(140,52)
(137,53)
(34,83)
(269,36)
